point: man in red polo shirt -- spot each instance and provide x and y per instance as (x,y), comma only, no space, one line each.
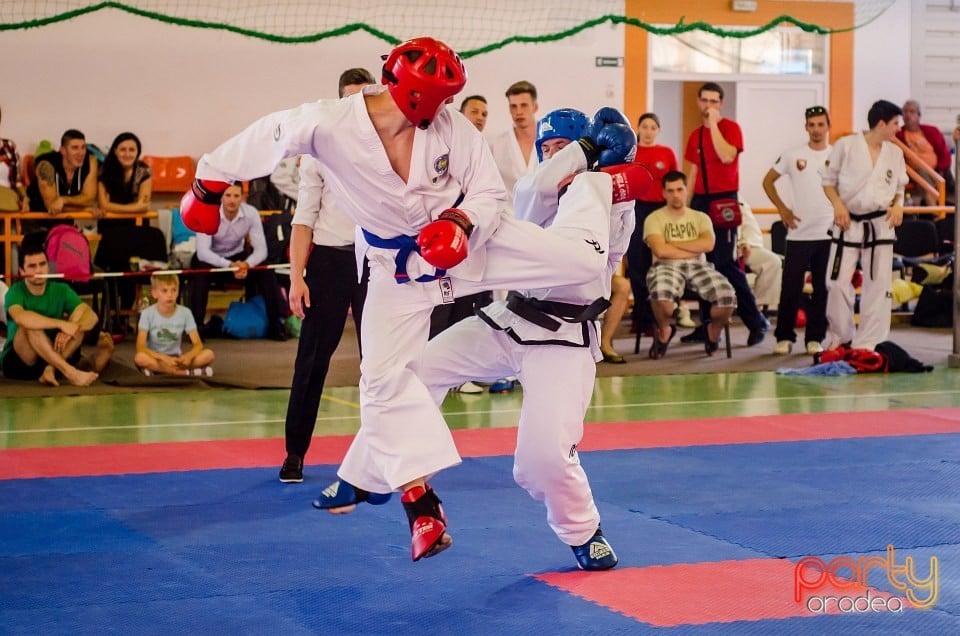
(714,147)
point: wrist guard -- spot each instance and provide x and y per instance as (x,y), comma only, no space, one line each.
(458,217)
(205,195)
(590,150)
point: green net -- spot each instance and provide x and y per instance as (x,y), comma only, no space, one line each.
(472,30)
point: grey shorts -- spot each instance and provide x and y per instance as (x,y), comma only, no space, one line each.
(667,281)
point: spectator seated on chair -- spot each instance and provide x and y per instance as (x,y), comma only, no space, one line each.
(239,223)
(619,302)
(680,238)
(125,188)
(65,180)
(930,145)
(763,263)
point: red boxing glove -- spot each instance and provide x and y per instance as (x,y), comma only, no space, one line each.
(631,181)
(443,243)
(200,206)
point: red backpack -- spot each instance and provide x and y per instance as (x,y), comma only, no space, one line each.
(68,253)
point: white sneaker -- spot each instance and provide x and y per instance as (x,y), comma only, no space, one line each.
(146,372)
(202,371)
(683,317)
(469,387)
(813,348)
(783,347)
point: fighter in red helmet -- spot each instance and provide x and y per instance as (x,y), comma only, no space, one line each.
(421,184)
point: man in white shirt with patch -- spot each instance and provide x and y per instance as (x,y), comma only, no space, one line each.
(808,225)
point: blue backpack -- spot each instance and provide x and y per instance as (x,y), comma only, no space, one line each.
(246,320)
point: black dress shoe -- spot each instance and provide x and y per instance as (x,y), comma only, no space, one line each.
(697,335)
(757,335)
(292,470)
(277,333)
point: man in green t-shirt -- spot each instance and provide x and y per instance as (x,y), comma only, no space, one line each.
(46,324)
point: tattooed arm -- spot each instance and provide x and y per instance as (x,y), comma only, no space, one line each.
(47,184)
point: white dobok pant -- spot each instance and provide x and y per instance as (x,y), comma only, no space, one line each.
(557,387)
(875,299)
(403,435)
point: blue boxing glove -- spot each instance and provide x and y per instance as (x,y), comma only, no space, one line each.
(608,139)
(617,144)
(604,116)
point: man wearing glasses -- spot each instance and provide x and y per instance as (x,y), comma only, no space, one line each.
(808,223)
(713,152)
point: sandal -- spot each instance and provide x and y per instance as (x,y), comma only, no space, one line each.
(711,347)
(659,349)
(613,358)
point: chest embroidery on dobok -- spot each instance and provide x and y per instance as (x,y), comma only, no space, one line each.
(440,166)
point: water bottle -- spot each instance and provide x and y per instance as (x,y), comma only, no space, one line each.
(144,301)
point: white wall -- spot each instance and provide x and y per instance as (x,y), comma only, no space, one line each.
(185,90)
(882,53)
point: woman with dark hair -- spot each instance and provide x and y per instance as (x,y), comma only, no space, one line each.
(659,160)
(125,181)
(124,188)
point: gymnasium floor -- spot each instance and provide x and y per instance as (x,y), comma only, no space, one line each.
(160,513)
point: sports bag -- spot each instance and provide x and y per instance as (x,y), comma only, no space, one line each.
(246,320)
(725,214)
(68,253)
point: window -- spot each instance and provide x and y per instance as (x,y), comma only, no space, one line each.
(783,51)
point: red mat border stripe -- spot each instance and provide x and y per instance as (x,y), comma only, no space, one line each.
(118,459)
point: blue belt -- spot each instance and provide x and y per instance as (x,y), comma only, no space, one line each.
(405,245)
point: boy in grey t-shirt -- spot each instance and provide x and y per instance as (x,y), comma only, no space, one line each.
(160,334)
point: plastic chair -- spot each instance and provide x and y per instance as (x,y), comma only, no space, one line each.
(117,247)
(171,174)
(778,238)
(917,242)
(945,230)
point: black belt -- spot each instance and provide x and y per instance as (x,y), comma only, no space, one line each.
(542,312)
(339,248)
(869,241)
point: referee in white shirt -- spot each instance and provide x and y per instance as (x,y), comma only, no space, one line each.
(324,288)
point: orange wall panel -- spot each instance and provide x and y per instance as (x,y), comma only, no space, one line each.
(836,15)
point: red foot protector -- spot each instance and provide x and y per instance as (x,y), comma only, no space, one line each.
(428,524)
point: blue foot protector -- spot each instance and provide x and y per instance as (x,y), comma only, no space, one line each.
(595,554)
(503,385)
(341,493)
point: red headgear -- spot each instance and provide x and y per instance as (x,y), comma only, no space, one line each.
(421,74)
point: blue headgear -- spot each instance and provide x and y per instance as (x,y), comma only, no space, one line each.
(565,123)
